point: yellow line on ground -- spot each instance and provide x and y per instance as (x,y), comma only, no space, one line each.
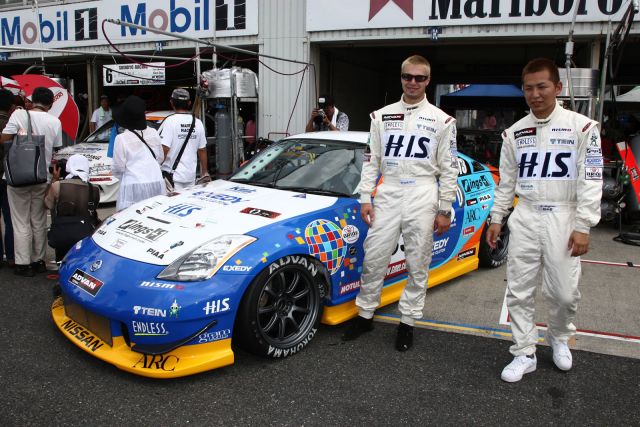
(450,327)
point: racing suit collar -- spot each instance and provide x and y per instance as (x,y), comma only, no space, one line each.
(542,122)
(412,107)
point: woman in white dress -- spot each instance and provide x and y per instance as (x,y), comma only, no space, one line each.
(137,155)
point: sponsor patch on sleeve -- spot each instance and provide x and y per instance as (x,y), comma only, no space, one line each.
(593,161)
(593,173)
(586,126)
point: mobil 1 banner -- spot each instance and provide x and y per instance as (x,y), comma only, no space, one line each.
(152,73)
(76,24)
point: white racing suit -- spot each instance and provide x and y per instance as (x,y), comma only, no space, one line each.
(411,146)
(555,167)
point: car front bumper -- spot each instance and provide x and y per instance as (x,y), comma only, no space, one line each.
(182,361)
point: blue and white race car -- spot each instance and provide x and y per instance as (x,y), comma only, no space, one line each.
(163,288)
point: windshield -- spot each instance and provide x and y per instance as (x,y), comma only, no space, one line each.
(103,133)
(323,167)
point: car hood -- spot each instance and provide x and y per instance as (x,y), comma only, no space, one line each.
(161,229)
(96,152)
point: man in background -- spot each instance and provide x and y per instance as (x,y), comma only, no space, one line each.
(101,115)
(173,132)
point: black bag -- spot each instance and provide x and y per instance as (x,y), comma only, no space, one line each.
(67,226)
(66,231)
(25,163)
(168,175)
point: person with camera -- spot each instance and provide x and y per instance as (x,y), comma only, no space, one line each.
(184,143)
(29,215)
(327,117)
(73,202)
(412,144)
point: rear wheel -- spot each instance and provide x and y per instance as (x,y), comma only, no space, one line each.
(492,258)
(280,312)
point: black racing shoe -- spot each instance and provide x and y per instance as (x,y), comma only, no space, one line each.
(404,339)
(23,270)
(358,326)
(39,267)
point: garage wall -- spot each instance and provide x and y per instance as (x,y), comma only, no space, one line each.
(282,34)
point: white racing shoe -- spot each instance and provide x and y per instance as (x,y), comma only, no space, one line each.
(520,365)
(561,353)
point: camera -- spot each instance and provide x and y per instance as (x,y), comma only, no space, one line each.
(60,163)
(321,115)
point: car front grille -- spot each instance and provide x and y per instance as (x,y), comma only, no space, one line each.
(100,326)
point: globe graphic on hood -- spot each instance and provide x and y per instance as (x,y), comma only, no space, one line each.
(325,243)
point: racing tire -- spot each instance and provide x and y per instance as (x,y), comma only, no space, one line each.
(492,258)
(280,312)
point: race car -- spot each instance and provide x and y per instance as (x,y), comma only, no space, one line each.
(164,288)
(94,147)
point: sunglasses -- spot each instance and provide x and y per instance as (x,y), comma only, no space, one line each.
(418,78)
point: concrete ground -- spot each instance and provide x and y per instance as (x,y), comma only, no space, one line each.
(608,318)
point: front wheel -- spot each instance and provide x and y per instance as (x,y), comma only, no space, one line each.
(280,312)
(492,258)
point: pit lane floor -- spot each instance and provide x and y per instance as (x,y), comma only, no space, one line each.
(608,318)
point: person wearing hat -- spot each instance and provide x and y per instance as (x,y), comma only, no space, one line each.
(137,155)
(101,115)
(73,203)
(174,131)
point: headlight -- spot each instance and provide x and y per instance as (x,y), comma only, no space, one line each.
(203,262)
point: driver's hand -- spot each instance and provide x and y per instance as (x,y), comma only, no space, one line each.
(493,232)
(367,214)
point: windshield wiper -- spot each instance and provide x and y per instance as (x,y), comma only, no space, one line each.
(252,182)
(312,190)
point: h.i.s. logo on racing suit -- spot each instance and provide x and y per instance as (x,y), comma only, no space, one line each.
(402,145)
(554,164)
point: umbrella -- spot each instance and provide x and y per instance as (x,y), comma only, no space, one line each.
(12,85)
(64,107)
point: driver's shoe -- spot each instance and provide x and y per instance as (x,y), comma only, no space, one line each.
(358,326)
(404,339)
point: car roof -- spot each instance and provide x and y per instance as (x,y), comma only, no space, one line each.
(158,116)
(350,136)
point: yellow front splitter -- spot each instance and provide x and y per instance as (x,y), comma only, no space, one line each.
(183,361)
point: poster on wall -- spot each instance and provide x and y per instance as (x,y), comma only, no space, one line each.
(133,74)
(330,15)
(81,24)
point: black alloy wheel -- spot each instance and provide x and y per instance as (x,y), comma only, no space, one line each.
(281,310)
